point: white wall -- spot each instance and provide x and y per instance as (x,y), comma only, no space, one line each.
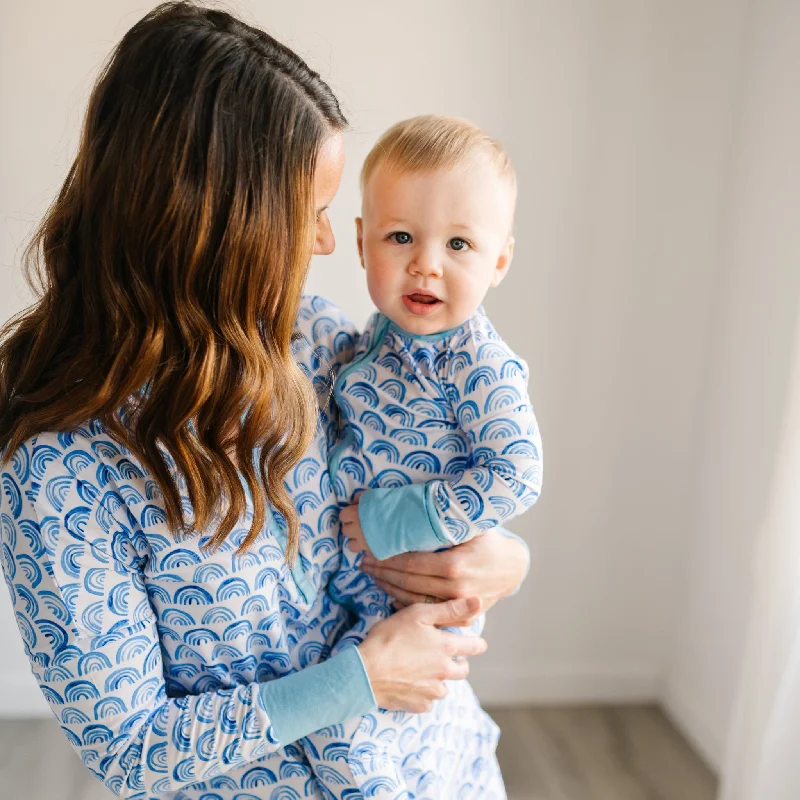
(618,115)
(749,365)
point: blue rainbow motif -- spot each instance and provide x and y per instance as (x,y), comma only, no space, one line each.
(452,443)
(43,455)
(409,436)
(502,397)
(423,461)
(146,642)
(191,594)
(385,449)
(180,557)
(370,419)
(12,495)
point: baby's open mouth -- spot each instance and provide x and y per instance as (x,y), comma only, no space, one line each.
(421,302)
(418,297)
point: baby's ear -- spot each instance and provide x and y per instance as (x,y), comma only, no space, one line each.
(360,240)
(503,262)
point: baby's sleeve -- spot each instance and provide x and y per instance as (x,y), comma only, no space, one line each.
(487,385)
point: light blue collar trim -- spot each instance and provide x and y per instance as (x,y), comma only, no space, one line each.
(430,337)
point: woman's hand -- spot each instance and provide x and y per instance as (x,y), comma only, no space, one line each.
(408,659)
(490,566)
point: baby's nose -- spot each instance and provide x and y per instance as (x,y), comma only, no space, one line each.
(426,265)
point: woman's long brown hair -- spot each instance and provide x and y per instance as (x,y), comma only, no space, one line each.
(170,267)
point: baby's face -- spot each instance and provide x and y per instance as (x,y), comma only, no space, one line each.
(433,243)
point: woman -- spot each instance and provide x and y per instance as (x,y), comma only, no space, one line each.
(168,530)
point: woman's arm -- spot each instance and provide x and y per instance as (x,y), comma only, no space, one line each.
(72,552)
(491,566)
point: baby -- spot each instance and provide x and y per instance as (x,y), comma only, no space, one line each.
(438,439)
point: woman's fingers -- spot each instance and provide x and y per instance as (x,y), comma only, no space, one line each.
(409,659)
(405,599)
(491,565)
(402,597)
(408,598)
(411,583)
(460,646)
(458,670)
(417,563)
(452,612)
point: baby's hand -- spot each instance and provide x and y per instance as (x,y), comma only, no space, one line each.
(351,528)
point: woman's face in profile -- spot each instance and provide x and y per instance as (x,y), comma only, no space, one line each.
(330,164)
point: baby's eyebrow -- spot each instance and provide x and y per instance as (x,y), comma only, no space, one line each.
(386,223)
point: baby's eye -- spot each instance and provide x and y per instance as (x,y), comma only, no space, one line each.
(457,243)
(400,237)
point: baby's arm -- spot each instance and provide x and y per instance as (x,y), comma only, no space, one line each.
(488,391)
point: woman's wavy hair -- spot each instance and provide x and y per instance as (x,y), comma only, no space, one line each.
(170,267)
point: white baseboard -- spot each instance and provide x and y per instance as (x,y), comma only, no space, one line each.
(565,684)
(695,723)
(496,686)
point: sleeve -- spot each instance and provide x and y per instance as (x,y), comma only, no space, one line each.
(72,556)
(487,387)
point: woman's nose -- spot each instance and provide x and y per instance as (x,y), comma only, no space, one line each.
(325,242)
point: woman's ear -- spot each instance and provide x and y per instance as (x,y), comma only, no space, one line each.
(503,262)
(360,240)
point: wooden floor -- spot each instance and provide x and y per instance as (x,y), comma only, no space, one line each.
(626,753)
(629,753)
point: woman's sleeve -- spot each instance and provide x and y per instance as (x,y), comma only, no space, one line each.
(488,390)
(73,554)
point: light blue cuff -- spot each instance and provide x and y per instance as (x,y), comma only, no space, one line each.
(316,697)
(510,535)
(400,520)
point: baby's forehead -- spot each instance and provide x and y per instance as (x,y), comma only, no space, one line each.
(478,165)
(471,188)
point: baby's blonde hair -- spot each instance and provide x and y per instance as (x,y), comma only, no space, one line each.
(432,142)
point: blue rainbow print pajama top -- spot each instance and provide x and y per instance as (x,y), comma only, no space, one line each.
(180,673)
(440,432)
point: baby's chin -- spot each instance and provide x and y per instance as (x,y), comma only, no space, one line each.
(417,325)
